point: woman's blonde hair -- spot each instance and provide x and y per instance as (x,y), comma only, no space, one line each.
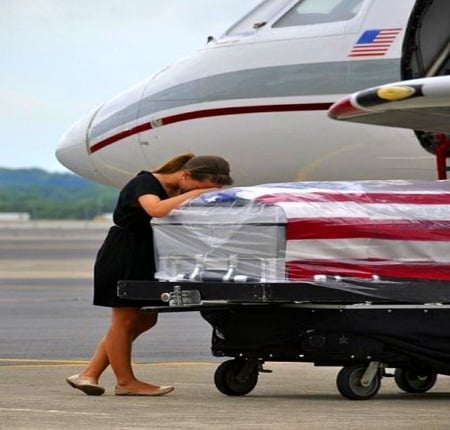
(201,167)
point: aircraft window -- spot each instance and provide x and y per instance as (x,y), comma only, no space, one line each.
(308,12)
(257,17)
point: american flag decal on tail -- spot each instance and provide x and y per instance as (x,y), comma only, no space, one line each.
(374,43)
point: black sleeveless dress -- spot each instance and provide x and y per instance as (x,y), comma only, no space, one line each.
(127,252)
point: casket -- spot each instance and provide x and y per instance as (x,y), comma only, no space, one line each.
(308,231)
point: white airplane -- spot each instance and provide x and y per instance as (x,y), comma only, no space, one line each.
(259,96)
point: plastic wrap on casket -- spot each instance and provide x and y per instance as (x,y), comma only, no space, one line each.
(309,230)
(230,242)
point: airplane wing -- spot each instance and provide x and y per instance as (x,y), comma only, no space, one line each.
(419,104)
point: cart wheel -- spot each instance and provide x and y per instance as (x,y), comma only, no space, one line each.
(412,382)
(348,383)
(236,377)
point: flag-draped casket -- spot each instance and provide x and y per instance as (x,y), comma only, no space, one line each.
(300,231)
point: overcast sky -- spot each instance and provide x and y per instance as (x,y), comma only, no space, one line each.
(62,58)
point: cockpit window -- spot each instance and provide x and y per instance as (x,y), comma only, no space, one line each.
(257,17)
(307,12)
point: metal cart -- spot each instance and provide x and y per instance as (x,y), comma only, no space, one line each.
(355,275)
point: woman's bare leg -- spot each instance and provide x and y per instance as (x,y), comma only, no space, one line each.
(99,361)
(126,325)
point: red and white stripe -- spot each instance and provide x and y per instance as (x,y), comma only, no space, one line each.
(360,234)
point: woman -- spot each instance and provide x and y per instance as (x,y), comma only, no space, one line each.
(127,254)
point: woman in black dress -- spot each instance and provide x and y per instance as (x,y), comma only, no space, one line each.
(127,254)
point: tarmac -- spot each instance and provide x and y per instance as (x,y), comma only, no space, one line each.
(48,329)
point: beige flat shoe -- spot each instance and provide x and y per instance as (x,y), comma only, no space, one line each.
(163,389)
(85,385)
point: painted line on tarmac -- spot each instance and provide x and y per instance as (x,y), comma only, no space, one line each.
(40,360)
(30,362)
(176,363)
(54,411)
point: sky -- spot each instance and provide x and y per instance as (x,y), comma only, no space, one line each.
(60,59)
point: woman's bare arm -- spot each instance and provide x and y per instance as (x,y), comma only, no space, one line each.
(157,208)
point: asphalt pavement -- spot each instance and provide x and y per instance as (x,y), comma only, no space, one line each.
(48,329)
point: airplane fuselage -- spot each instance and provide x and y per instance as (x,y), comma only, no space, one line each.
(259,97)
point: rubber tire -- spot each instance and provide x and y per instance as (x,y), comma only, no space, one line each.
(225,378)
(348,383)
(411,382)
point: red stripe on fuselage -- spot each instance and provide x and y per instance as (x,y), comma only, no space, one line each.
(207,113)
(121,135)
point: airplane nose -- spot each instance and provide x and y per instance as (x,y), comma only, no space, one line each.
(73,150)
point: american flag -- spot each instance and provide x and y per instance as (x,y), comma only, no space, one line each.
(395,229)
(373,43)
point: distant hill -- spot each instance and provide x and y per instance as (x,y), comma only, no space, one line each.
(47,195)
